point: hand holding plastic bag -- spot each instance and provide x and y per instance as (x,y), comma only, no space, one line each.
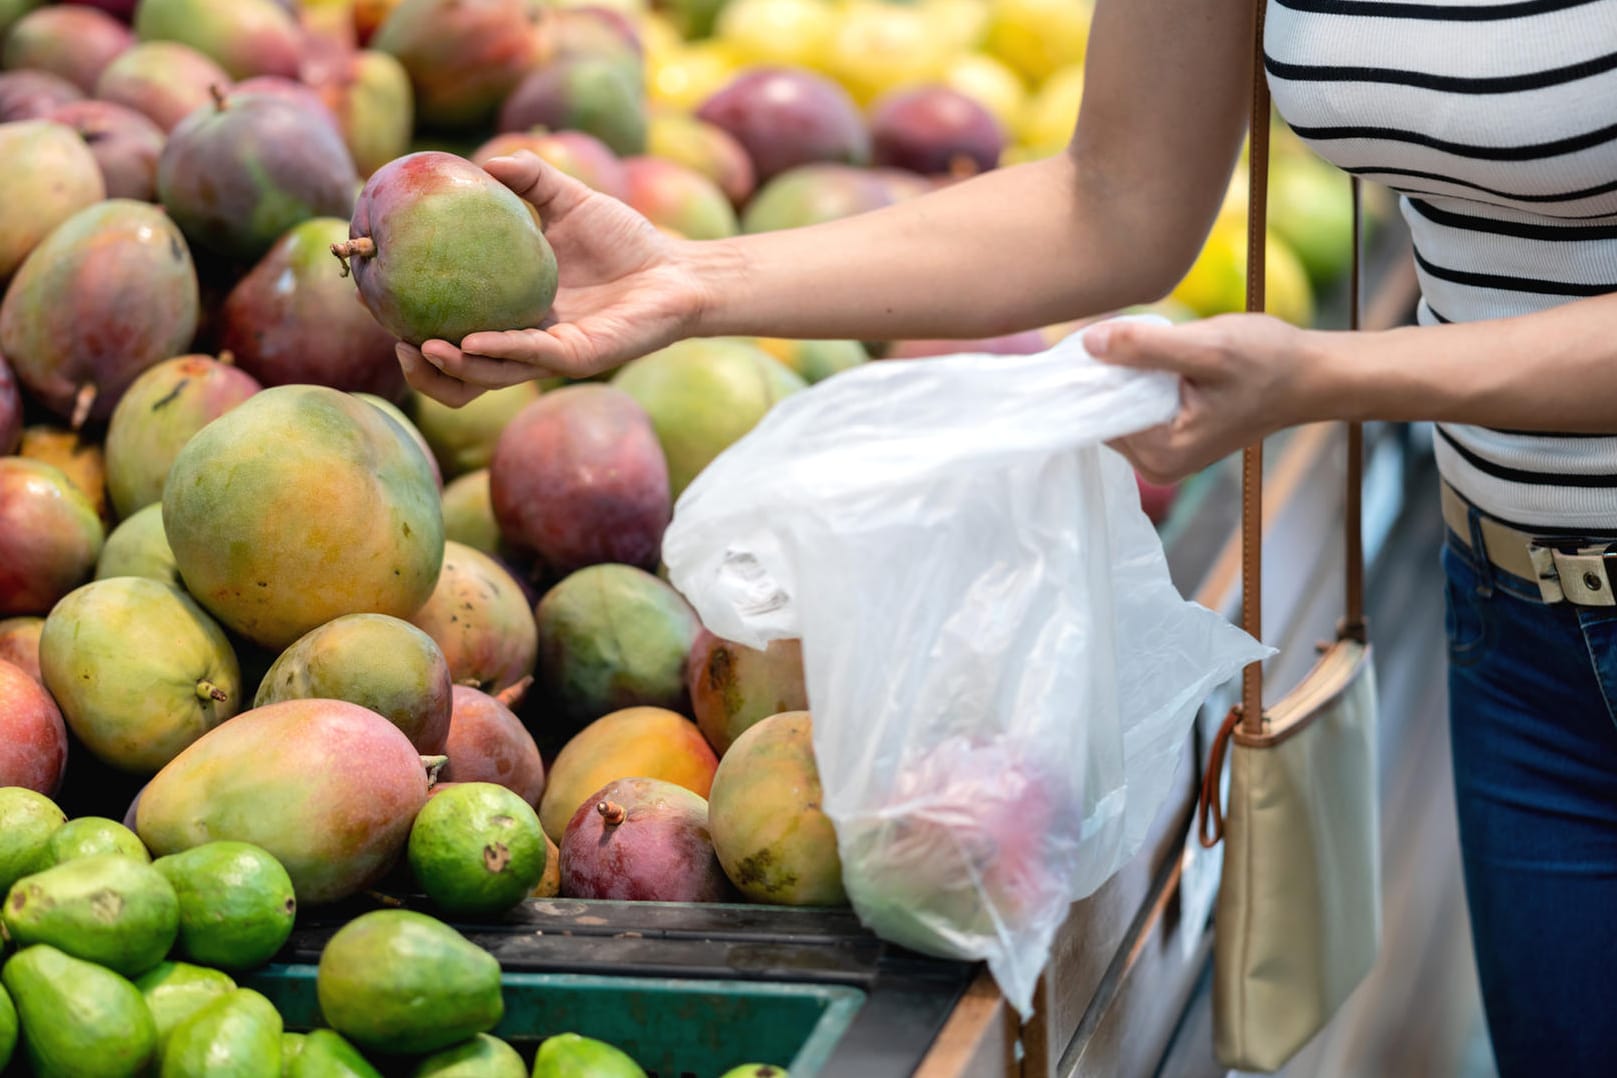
(1000,671)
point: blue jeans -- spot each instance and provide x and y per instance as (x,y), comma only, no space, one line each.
(1533,731)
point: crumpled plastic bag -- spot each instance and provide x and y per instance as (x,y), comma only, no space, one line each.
(1000,671)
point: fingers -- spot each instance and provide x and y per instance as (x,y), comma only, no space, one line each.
(1177,349)
(552,192)
(425,378)
(478,369)
(562,349)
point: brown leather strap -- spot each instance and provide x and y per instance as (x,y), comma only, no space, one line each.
(1257,215)
(1211,807)
(1353,623)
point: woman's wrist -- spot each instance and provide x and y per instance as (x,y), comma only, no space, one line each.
(716,273)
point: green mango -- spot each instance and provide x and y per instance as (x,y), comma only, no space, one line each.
(481,1057)
(27,821)
(109,909)
(139,547)
(79,1020)
(8,1028)
(174,991)
(755,1070)
(327,1055)
(92,836)
(235,1036)
(236,903)
(402,982)
(567,1055)
(291,1047)
(469,514)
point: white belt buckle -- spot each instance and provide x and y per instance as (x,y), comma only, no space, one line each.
(1579,577)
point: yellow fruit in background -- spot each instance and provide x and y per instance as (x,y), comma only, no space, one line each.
(691,75)
(1021,154)
(1289,296)
(1311,208)
(631,8)
(991,84)
(1049,117)
(1216,282)
(659,37)
(962,23)
(877,47)
(1038,37)
(794,32)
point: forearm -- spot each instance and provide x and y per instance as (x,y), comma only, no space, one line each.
(1555,371)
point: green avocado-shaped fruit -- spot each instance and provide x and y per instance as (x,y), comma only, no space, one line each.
(237,1035)
(756,1070)
(91,836)
(27,821)
(402,982)
(175,991)
(291,1047)
(481,1057)
(8,1028)
(108,909)
(236,903)
(79,1020)
(477,848)
(326,1055)
(568,1055)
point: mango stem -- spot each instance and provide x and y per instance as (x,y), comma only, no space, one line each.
(512,694)
(82,403)
(218,92)
(433,764)
(358,247)
(611,812)
(207,690)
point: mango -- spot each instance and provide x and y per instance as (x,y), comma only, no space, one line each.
(140,671)
(378,662)
(679,199)
(814,194)
(73,42)
(158,414)
(138,547)
(488,743)
(481,1057)
(125,144)
(579,478)
(756,1070)
(164,81)
(641,839)
(776,844)
(111,910)
(236,903)
(815,361)
(12,10)
(174,991)
(11,418)
(1024,343)
(578,153)
(237,174)
(111,292)
(92,836)
(549,885)
(935,130)
(785,117)
(705,148)
(19,644)
(611,637)
(468,519)
(237,1035)
(479,617)
(395,413)
(734,687)
(291,1047)
(245,37)
(33,95)
(327,1055)
(568,1055)
(28,819)
(441,249)
(293,319)
(637,742)
(33,739)
(602,96)
(463,439)
(299,506)
(703,395)
(78,1019)
(257,779)
(463,56)
(80,459)
(50,536)
(8,1031)
(371,97)
(476,849)
(399,981)
(50,175)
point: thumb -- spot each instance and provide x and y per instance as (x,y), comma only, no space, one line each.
(551,191)
(1145,346)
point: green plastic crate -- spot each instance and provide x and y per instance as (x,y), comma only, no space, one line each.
(673,1028)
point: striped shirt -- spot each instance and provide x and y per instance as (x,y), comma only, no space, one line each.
(1496,122)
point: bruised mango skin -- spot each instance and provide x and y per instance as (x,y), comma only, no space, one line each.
(455,251)
(301,505)
(111,292)
(479,617)
(326,787)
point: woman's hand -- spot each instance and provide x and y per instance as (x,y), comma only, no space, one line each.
(624,291)
(1242,377)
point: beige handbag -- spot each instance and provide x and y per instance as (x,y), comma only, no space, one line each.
(1298,918)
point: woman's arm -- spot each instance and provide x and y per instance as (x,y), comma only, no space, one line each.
(1117,220)
(1246,376)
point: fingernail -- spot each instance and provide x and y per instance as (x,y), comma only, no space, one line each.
(1097,340)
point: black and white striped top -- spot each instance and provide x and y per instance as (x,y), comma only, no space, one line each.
(1497,123)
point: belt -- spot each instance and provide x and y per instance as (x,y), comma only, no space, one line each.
(1577,571)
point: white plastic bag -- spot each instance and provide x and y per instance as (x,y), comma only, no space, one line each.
(1001,673)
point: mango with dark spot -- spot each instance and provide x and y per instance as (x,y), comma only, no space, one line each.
(601,95)
(162,409)
(336,830)
(50,536)
(637,742)
(463,56)
(488,743)
(299,506)
(111,910)
(112,292)
(163,80)
(237,174)
(245,37)
(479,617)
(125,144)
(375,661)
(734,687)
(73,42)
(776,844)
(50,175)
(579,478)
(641,839)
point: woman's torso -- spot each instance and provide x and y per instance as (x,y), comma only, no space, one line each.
(1497,122)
